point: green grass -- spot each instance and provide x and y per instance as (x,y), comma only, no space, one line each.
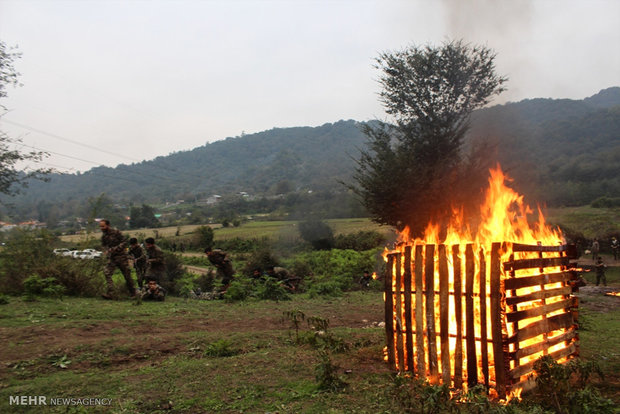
(591,222)
(212,356)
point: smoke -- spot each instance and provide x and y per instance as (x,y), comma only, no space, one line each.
(502,26)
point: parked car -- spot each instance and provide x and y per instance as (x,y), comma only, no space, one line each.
(63,252)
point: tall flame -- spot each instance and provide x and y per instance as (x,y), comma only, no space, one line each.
(503,218)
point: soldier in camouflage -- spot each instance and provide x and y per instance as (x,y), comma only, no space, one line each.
(152,291)
(139,259)
(114,245)
(155,264)
(219,258)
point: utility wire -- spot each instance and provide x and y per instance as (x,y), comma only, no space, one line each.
(90,147)
(67,139)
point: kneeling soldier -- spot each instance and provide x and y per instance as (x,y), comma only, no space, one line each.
(152,291)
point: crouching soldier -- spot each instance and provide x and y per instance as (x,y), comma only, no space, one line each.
(155,263)
(152,291)
(219,258)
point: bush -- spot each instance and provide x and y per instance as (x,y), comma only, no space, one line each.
(344,267)
(79,277)
(203,237)
(240,289)
(563,388)
(260,259)
(270,289)
(24,253)
(174,272)
(606,202)
(240,245)
(325,289)
(360,241)
(35,286)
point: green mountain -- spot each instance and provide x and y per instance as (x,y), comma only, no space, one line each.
(559,151)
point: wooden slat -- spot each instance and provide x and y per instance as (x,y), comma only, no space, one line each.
(408,322)
(470,334)
(419,312)
(400,346)
(525,369)
(496,322)
(527,281)
(429,277)
(538,311)
(484,347)
(517,247)
(551,324)
(444,315)
(541,294)
(458,310)
(389,310)
(538,347)
(536,263)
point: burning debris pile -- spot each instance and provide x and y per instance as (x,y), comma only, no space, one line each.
(483,307)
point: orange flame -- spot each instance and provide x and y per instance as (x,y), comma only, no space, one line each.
(503,218)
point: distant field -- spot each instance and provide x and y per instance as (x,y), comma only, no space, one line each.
(592,222)
(252,229)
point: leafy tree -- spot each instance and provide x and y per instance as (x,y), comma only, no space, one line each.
(10,176)
(203,237)
(415,163)
(142,217)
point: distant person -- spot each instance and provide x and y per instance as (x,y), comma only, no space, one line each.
(615,245)
(219,258)
(600,272)
(257,274)
(114,245)
(283,276)
(152,291)
(595,249)
(155,264)
(365,279)
(137,253)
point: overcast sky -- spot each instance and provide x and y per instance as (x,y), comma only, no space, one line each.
(109,82)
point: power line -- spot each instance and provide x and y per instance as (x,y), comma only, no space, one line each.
(39,131)
(96,163)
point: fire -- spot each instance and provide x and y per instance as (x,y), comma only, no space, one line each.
(617,294)
(504,218)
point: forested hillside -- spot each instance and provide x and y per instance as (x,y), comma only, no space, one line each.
(562,152)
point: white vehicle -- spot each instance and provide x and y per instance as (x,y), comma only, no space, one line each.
(63,252)
(87,254)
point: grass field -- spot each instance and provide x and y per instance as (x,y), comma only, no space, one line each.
(286,230)
(591,222)
(210,356)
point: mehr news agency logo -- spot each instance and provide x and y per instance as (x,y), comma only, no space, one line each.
(43,400)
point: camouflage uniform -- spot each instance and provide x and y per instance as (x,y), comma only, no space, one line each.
(114,243)
(158,294)
(600,273)
(156,267)
(139,262)
(219,258)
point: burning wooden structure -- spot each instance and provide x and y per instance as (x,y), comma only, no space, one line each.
(456,316)
(466,309)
